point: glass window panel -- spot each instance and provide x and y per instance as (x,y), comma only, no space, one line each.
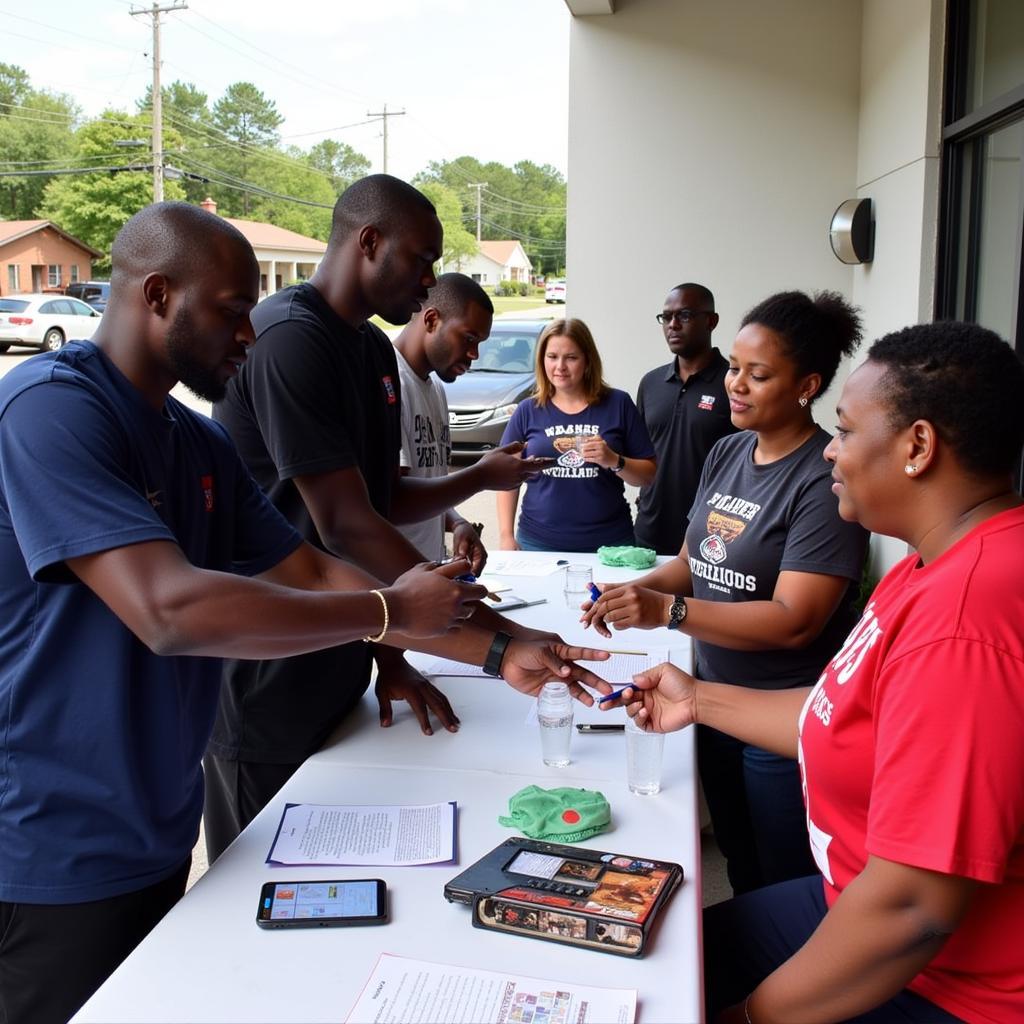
(999,239)
(995,58)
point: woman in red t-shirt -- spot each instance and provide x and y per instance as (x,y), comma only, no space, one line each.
(910,741)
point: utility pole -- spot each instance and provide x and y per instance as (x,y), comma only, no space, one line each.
(479,186)
(154,12)
(385,114)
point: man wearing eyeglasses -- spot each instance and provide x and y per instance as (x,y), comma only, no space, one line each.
(686,410)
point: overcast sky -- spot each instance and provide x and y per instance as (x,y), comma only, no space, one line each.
(485,78)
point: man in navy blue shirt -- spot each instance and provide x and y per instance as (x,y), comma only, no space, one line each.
(136,552)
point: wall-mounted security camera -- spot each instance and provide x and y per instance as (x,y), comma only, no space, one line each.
(852,232)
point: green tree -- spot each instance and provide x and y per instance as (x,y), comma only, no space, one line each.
(185,110)
(459,244)
(14,86)
(249,122)
(340,162)
(526,202)
(35,133)
(36,137)
(94,207)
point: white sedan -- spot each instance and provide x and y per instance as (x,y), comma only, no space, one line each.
(45,322)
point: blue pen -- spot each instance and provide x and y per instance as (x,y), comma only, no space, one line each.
(615,694)
(595,594)
(466,577)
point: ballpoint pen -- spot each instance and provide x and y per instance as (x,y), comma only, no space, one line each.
(615,694)
(600,727)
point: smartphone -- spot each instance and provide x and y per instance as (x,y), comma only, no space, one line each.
(323,904)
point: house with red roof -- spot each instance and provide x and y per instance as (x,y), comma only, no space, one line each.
(503,260)
(38,256)
(284,256)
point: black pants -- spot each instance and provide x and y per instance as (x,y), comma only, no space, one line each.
(236,791)
(757,811)
(53,957)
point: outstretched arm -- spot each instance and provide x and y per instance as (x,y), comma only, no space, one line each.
(502,469)
(800,607)
(307,602)
(665,698)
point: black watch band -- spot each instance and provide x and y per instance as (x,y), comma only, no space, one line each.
(620,465)
(677,612)
(492,663)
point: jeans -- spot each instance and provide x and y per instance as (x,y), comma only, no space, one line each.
(757,811)
(529,543)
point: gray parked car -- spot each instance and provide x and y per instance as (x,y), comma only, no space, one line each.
(481,401)
(94,293)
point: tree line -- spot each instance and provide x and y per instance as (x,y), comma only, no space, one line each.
(231,151)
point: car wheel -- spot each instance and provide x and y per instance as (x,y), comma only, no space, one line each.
(53,339)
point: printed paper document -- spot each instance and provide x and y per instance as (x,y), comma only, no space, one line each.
(363,834)
(405,991)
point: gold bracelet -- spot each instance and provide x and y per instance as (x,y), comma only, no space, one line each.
(387,619)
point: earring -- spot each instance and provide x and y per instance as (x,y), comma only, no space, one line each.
(803,400)
(910,470)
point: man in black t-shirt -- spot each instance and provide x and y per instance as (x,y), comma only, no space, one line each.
(315,415)
(686,410)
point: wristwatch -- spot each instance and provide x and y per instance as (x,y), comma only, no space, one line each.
(620,465)
(677,612)
(492,663)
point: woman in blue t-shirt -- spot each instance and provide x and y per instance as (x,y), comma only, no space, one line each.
(597,439)
(768,575)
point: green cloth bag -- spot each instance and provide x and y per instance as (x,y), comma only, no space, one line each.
(562,815)
(630,557)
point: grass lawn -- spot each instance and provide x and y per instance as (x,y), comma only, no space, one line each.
(514,303)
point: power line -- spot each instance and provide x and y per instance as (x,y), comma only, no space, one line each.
(68,32)
(154,13)
(385,114)
(324,83)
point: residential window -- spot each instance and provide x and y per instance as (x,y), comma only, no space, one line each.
(13,277)
(981,240)
(53,275)
(74,273)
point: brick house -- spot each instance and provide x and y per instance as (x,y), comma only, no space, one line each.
(37,256)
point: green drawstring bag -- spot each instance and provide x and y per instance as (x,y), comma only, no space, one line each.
(630,557)
(562,815)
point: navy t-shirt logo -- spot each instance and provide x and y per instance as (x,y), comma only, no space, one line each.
(389,389)
(207,483)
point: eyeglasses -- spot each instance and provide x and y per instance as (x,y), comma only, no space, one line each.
(684,316)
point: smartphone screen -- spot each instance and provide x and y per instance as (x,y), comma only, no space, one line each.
(323,903)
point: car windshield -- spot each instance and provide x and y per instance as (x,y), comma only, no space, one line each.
(506,352)
(13,305)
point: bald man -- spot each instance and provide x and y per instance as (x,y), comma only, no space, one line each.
(316,415)
(135,552)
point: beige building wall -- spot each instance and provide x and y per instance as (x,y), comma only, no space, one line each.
(899,143)
(709,140)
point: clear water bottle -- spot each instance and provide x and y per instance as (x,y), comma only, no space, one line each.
(554,713)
